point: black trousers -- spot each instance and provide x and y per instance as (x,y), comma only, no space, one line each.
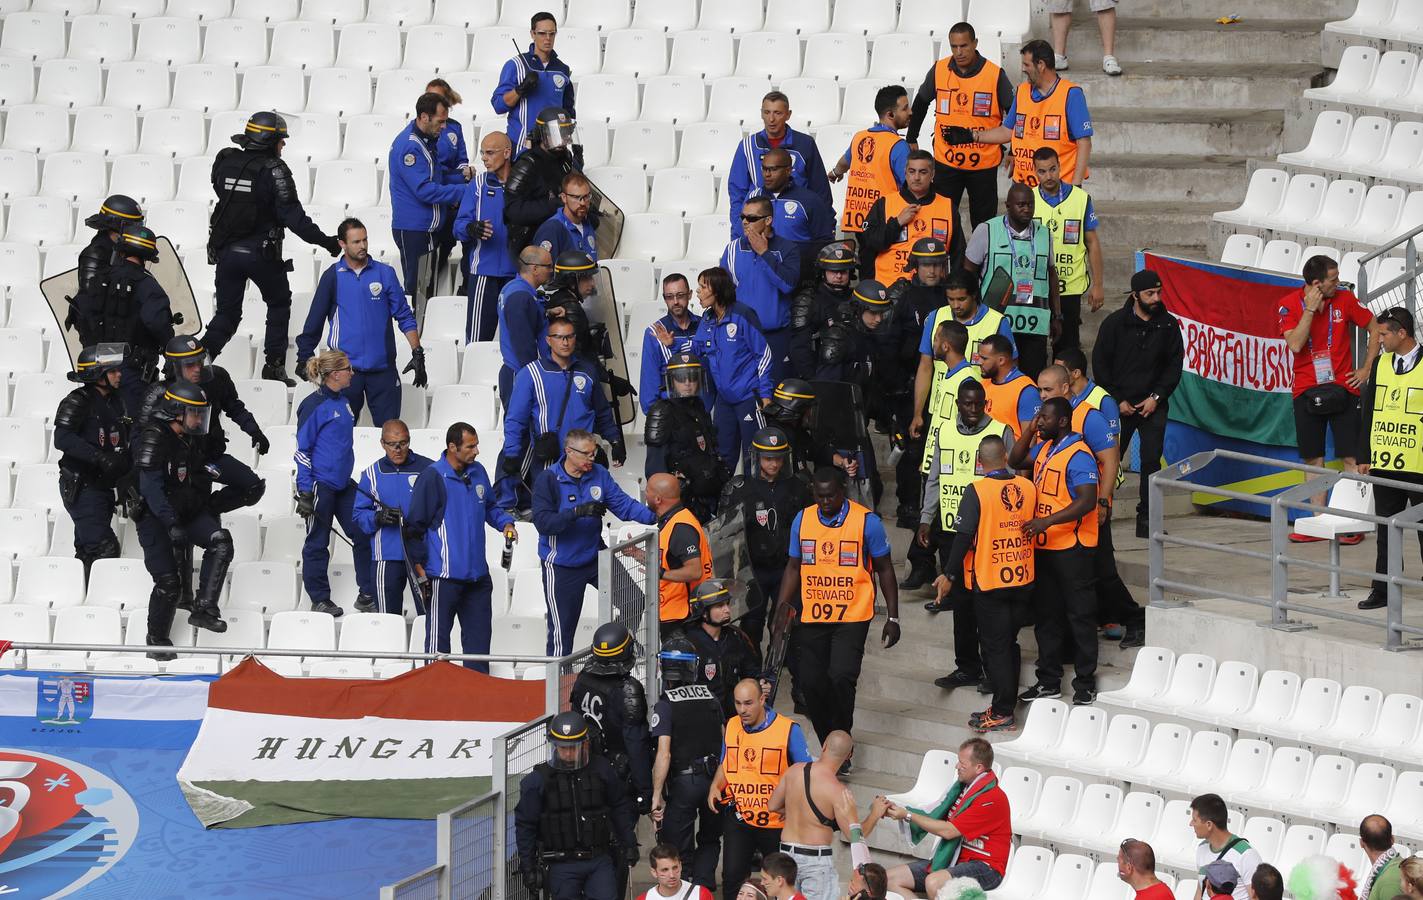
(240,485)
(1065,601)
(1000,615)
(768,580)
(1390,502)
(92,511)
(739,842)
(1114,602)
(691,827)
(982,186)
(967,657)
(237,265)
(828,659)
(1071,334)
(1152,429)
(1032,354)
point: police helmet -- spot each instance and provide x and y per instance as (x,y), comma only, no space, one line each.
(927,249)
(684,376)
(679,661)
(554,128)
(138,241)
(264,131)
(712,592)
(836,257)
(96,361)
(790,400)
(570,266)
(116,212)
(870,296)
(613,651)
(185,403)
(568,741)
(183,350)
(768,443)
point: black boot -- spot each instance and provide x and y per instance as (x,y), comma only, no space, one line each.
(155,641)
(365,602)
(919,577)
(1375,600)
(161,609)
(205,616)
(216,560)
(184,555)
(275,369)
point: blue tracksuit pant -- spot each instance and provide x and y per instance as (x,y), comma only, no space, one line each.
(471,602)
(736,423)
(563,595)
(316,552)
(379,387)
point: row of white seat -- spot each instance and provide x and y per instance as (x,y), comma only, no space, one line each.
(1318,712)
(1367,77)
(1389,20)
(1287,256)
(1369,146)
(1343,210)
(1037,873)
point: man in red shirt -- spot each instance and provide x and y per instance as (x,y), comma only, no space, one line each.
(1315,323)
(665,861)
(1136,865)
(778,875)
(975,825)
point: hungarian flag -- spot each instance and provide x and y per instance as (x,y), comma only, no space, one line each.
(275,750)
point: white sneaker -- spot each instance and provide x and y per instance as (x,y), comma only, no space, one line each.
(1060,62)
(1111,66)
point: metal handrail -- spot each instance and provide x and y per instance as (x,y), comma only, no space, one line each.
(1318,480)
(117,649)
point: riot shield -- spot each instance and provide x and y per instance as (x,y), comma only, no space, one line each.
(838,422)
(609,232)
(731,559)
(59,289)
(603,310)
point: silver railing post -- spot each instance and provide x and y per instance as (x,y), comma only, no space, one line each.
(1412,515)
(1410,271)
(1320,484)
(651,636)
(500,779)
(1155,548)
(605,585)
(444,828)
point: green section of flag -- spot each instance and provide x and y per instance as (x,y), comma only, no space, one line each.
(288,802)
(1230,411)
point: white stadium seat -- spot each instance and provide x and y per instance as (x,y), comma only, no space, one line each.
(38,396)
(1008,18)
(73,83)
(343,183)
(102,39)
(869,17)
(704,146)
(608,98)
(269,11)
(1397,726)
(1315,710)
(1241,250)
(105,130)
(1380,217)
(1355,73)
(652,145)
(405,13)
(1165,754)
(703,54)
(171,41)
(1405,807)
(1303,198)
(272,87)
(205,88)
(1330,134)
(369,46)
(396,92)
(518,12)
(19,174)
(22,623)
(690,192)
(147,179)
(816,101)
(53,581)
(654,236)
(23,533)
(737,99)
(1263,196)
(773,55)
(492,48)
(265,586)
(94,625)
(304,45)
(1190,683)
(635,51)
(441,48)
(40,220)
(315,137)
(74,175)
(1274,700)
(345,92)
(1368,140)
(475,404)
(119,583)
(901,57)
(35,35)
(17,81)
(843,57)
(1401,159)
(1081,738)
(603,14)
(138,85)
(1029,871)
(1369,16)
(1046,720)
(1204,762)
(624,186)
(1367,793)
(1150,675)
(235,42)
(183,222)
(1394,77)
(1122,747)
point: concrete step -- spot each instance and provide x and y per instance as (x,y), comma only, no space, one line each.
(1162,178)
(1275,41)
(1199,133)
(1151,223)
(1254,12)
(1190,85)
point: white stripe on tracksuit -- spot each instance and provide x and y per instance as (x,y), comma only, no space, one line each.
(432,617)
(551,601)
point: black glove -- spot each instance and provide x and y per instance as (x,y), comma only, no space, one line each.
(301,368)
(528,85)
(511,467)
(177,534)
(621,386)
(417,365)
(259,440)
(426,589)
(957,135)
(306,504)
(112,465)
(388,515)
(620,451)
(332,246)
(533,878)
(630,854)
(593,509)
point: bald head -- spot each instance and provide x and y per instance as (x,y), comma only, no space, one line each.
(1054,381)
(496,152)
(535,265)
(395,441)
(664,491)
(1019,204)
(838,747)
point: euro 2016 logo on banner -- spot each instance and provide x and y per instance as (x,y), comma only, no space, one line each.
(65,700)
(62,824)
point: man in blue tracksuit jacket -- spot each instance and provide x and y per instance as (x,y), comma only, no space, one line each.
(533,81)
(570,228)
(522,319)
(382,503)
(452,154)
(668,335)
(806,168)
(552,395)
(731,346)
(480,225)
(449,507)
(798,214)
(419,195)
(360,296)
(765,267)
(570,498)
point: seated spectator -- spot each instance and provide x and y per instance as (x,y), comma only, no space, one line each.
(1136,865)
(1266,883)
(1385,877)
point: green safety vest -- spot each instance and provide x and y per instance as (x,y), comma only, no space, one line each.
(1067,222)
(1023,260)
(943,394)
(957,465)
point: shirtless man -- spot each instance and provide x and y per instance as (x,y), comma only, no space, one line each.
(815,803)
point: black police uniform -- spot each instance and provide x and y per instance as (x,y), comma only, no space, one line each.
(91,432)
(815,308)
(569,823)
(767,509)
(692,717)
(852,354)
(241,486)
(117,212)
(617,705)
(126,306)
(95,259)
(176,486)
(681,439)
(531,193)
(256,200)
(726,658)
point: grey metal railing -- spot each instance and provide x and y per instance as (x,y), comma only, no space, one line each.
(1402,290)
(1317,481)
(625,584)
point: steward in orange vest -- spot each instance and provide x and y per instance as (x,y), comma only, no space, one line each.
(897,220)
(684,555)
(875,159)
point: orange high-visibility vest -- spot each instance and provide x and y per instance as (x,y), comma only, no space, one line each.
(1001,556)
(1042,123)
(935,219)
(870,176)
(674,597)
(754,763)
(835,581)
(969,103)
(1002,400)
(1050,478)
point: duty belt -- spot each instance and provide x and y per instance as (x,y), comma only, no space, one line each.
(553,856)
(704,766)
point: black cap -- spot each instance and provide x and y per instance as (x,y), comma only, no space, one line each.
(835,257)
(872,294)
(1144,280)
(1399,316)
(928,248)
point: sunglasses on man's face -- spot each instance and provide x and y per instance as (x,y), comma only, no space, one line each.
(746,218)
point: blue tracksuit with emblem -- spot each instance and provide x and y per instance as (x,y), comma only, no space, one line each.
(522,324)
(765,282)
(739,362)
(559,235)
(655,356)
(537,405)
(386,483)
(569,544)
(420,198)
(801,217)
(359,306)
(555,89)
(324,458)
(449,510)
(745,173)
(488,262)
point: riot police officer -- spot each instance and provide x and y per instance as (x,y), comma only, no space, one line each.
(256,202)
(817,306)
(791,408)
(863,351)
(575,279)
(535,179)
(681,437)
(767,497)
(117,212)
(687,724)
(91,432)
(128,306)
(917,299)
(574,823)
(186,359)
(176,484)
(616,704)
(727,654)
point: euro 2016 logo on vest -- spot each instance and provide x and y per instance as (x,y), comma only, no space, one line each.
(1035,123)
(827,548)
(1012,497)
(961,99)
(865,149)
(749,754)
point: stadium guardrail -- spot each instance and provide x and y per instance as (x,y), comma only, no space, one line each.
(1402,289)
(1318,481)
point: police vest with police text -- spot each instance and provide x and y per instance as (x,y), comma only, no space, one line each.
(968,102)
(1398,413)
(835,581)
(870,176)
(1067,222)
(673,597)
(696,725)
(753,765)
(1042,123)
(957,465)
(1050,479)
(575,811)
(935,219)
(1026,261)
(1001,555)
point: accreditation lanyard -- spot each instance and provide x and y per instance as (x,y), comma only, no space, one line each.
(1022,275)
(1323,362)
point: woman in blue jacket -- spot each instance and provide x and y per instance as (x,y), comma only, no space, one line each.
(325,457)
(730,343)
